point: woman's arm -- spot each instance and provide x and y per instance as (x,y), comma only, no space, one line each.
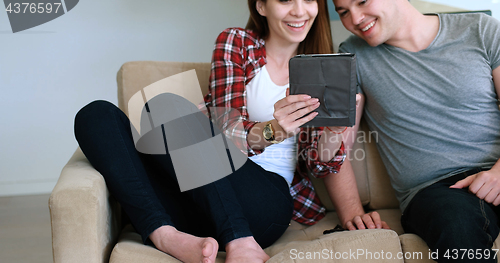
(231,69)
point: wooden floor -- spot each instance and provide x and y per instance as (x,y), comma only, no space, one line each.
(25,235)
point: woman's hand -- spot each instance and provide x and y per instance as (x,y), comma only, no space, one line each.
(367,221)
(341,129)
(290,112)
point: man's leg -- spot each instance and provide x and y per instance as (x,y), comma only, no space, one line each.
(453,222)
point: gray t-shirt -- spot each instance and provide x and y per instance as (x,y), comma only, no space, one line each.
(435,111)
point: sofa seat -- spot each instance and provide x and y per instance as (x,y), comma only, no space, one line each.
(300,241)
(293,246)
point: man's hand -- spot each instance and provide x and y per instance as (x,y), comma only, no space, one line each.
(485,185)
(367,221)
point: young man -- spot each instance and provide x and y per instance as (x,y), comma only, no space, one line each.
(430,83)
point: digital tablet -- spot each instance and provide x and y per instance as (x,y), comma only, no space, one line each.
(332,79)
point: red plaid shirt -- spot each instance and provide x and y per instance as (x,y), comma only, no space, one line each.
(237,58)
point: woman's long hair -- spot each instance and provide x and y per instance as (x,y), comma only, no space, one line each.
(318,40)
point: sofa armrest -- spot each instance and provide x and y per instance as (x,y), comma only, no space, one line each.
(84,218)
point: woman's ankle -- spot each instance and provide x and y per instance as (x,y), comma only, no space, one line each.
(162,234)
(245,249)
(184,246)
(242,241)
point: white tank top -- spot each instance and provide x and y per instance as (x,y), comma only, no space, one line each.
(262,93)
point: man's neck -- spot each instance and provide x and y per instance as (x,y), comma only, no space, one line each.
(417,31)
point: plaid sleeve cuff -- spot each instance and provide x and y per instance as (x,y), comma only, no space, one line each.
(321,169)
(250,151)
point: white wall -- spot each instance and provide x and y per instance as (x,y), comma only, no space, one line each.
(49,72)
(431,6)
(493,5)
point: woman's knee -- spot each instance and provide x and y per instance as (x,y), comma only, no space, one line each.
(94,108)
(93,117)
(94,111)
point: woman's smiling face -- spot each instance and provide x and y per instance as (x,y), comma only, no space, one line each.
(288,20)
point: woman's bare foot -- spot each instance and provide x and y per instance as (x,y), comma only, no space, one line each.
(185,247)
(245,250)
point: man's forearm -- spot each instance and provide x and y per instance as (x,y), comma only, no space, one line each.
(343,192)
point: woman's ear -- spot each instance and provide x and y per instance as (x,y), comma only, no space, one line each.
(259,5)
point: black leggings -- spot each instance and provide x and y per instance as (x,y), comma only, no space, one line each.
(248,202)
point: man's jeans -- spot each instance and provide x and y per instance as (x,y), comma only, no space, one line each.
(455,223)
(249,202)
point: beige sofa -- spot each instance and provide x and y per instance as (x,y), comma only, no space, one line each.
(86,220)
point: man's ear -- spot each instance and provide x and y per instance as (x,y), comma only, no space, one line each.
(259,5)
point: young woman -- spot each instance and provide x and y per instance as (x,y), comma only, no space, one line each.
(251,208)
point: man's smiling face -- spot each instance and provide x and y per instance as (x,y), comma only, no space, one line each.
(372,20)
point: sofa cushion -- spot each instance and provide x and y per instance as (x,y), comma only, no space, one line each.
(382,195)
(301,237)
(136,75)
(374,245)
(415,248)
